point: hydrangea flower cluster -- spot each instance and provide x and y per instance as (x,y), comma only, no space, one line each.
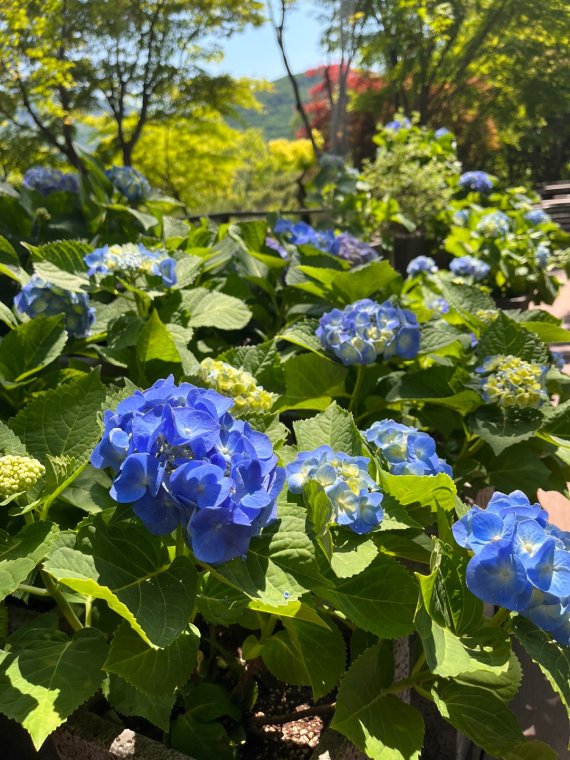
(496,224)
(438,304)
(18,474)
(536,216)
(461,217)
(542,255)
(302,233)
(237,384)
(469,266)
(39,298)
(45,180)
(441,132)
(510,381)
(354,496)
(478,181)
(180,458)
(130,182)
(131,260)
(397,124)
(421,264)
(521,561)
(349,248)
(365,330)
(406,450)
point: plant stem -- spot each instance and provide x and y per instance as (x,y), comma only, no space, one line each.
(268,627)
(357,386)
(88,611)
(499,617)
(61,601)
(180,542)
(25,589)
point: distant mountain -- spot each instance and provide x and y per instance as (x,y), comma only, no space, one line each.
(279,117)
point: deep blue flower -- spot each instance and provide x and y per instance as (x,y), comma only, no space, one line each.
(478,181)
(130,182)
(349,248)
(441,132)
(354,496)
(397,124)
(537,216)
(520,562)
(180,458)
(366,330)
(421,264)
(468,266)
(302,233)
(438,304)
(46,180)
(405,450)
(39,298)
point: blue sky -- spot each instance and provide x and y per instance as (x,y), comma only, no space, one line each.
(254,52)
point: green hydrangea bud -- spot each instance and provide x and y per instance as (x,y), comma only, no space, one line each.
(18,474)
(510,381)
(488,316)
(237,384)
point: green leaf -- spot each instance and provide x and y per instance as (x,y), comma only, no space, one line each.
(502,428)
(341,288)
(352,554)
(466,299)
(502,685)
(321,651)
(208,701)
(7,315)
(519,467)
(44,678)
(547,332)
(262,361)
(128,700)
(480,715)
(21,553)
(129,569)
(253,234)
(30,347)
(281,658)
(437,335)
(311,381)
(532,750)
(9,441)
(280,565)
(380,724)
(303,334)
(557,420)
(61,263)
(211,309)
(155,344)
(334,427)
(63,421)
(218,602)
(422,491)
(382,599)
(156,672)
(202,741)
(552,658)
(505,336)
(440,385)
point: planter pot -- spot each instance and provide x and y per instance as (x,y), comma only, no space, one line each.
(516,302)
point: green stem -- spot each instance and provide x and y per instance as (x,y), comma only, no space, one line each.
(409,683)
(357,386)
(180,542)
(88,611)
(61,601)
(499,617)
(268,627)
(25,589)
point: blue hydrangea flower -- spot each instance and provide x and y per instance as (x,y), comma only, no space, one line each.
(421,264)
(39,298)
(521,561)
(131,260)
(558,359)
(438,304)
(276,246)
(349,248)
(478,181)
(511,381)
(180,458)
(441,132)
(468,266)
(405,450)
(130,182)
(354,496)
(496,224)
(302,233)
(542,255)
(46,180)
(537,216)
(461,217)
(397,124)
(365,330)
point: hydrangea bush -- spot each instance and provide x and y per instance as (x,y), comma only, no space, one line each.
(254,468)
